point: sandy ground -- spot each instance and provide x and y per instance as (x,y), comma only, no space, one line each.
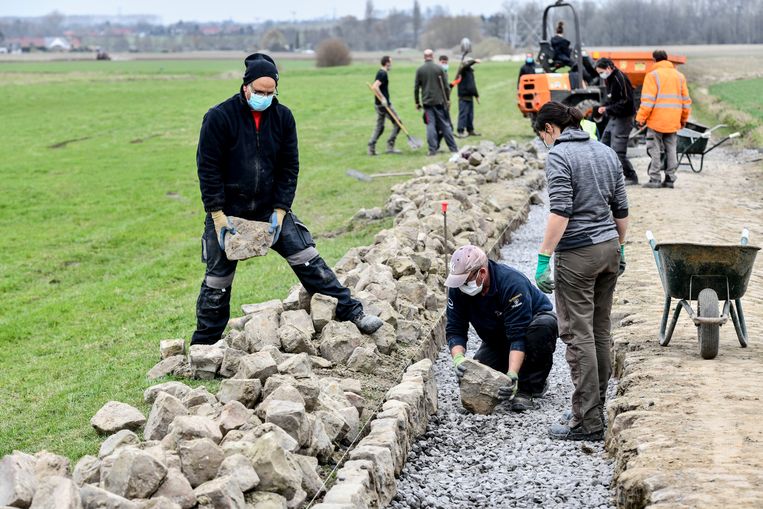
(689,432)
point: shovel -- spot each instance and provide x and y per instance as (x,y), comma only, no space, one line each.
(413,142)
(364,177)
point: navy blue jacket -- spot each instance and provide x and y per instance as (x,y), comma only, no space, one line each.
(242,171)
(502,315)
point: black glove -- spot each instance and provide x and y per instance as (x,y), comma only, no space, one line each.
(508,391)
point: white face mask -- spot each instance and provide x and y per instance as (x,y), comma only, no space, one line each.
(548,147)
(471,288)
(604,75)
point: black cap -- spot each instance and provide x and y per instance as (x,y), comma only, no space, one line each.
(259,65)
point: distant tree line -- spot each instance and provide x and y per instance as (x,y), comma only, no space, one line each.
(516,26)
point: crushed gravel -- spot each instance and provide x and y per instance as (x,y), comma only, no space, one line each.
(505,459)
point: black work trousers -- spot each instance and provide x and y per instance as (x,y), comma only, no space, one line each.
(616,136)
(296,245)
(540,343)
(438,121)
(465,115)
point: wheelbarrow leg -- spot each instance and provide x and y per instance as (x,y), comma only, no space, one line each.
(665,337)
(737,317)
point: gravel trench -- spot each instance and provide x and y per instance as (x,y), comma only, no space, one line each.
(505,459)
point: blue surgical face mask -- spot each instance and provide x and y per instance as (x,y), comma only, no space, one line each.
(529,60)
(259,102)
(604,75)
(444,67)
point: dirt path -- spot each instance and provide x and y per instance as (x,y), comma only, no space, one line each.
(688,432)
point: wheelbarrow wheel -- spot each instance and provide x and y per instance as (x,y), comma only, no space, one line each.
(707,307)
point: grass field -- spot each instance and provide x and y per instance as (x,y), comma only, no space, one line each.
(101,217)
(743,95)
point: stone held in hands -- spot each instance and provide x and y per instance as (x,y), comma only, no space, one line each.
(479,387)
(115,416)
(251,239)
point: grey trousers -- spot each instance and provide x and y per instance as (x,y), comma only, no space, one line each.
(656,144)
(381,116)
(438,120)
(616,136)
(585,281)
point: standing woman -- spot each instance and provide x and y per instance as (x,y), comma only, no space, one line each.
(586,233)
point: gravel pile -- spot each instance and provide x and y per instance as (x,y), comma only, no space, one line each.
(505,459)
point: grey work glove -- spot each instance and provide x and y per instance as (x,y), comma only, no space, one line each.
(508,391)
(458,365)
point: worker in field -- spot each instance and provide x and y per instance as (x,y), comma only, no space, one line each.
(585,233)
(444,62)
(527,68)
(430,92)
(665,108)
(467,95)
(619,107)
(248,166)
(513,319)
(561,46)
(382,103)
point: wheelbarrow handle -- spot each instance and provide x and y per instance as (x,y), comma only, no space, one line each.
(735,135)
(650,238)
(745,236)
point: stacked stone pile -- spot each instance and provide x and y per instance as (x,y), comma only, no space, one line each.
(280,413)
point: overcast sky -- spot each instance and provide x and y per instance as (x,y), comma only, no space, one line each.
(248,11)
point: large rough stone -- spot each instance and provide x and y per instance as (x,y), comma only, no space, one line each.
(166,367)
(285,441)
(50,464)
(177,389)
(479,387)
(221,493)
(240,469)
(408,331)
(94,497)
(258,365)
(200,460)
(159,503)
(56,492)
(233,415)
(322,310)
(205,359)
(251,239)
(339,340)
(198,396)
(274,305)
(363,359)
(311,481)
(262,330)
(176,488)
(171,347)
(244,390)
(385,338)
(296,332)
(265,500)
(87,471)
(190,427)
(115,416)
(402,266)
(276,470)
(119,439)
(320,444)
(298,366)
(17,479)
(283,392)
(289,416)
(383,470)
(133,474)
(164,410)
(231,357)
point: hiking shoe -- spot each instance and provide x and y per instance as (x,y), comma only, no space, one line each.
(631,182)
(474,133)
(431,153)
(371,151)
(393,150)
(367,324)
(542,392)
(461,134)
(653,184)
(667,183)
(521,402)
(566,417)
(565,432)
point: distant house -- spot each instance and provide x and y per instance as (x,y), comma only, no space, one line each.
(26,44)
(57,44)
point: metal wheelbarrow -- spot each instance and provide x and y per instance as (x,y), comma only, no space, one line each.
(692,140)
(703,273)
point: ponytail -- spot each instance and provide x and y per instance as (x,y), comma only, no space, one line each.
(557,114)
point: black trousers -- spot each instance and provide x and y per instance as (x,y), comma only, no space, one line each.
(540,344)
(465,116)
(296,245)
(616,136)
(438,121)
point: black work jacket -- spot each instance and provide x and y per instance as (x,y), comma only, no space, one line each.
(467,87)
(619,100)
(243,171)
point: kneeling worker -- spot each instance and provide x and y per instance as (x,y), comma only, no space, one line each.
(512,317)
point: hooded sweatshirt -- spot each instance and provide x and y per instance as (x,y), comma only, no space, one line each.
(586,185)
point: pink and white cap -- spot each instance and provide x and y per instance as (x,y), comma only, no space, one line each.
(465,260)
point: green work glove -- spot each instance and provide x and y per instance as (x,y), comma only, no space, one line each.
(622,260)
(543,274)
(508,391)
(458,366)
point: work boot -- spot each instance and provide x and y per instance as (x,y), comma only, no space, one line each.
(653,184)
(542,392)
(667,183)
(567,417)
(631,181)
(392,150)
(431,153)
(565,432)
(371,150)
(461,134)
(367,324)
(474,133)
(521,402)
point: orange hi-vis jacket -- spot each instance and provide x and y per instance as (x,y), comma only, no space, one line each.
(665,101)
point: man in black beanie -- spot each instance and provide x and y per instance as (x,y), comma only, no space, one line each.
(248,165)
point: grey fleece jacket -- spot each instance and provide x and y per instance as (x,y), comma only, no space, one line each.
(585,184)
